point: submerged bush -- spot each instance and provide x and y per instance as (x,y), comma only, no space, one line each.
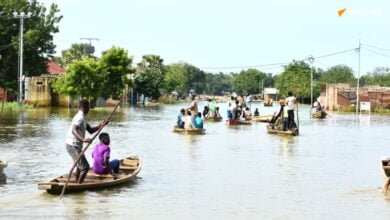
(14,106)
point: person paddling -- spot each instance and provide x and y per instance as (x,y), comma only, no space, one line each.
(76,136)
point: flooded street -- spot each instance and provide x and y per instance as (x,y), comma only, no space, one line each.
(330,171)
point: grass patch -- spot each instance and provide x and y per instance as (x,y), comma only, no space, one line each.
(167,99)
(14,106)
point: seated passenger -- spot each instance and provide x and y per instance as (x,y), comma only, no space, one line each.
(256,112)
(101,157)
(199,121)
(180,118)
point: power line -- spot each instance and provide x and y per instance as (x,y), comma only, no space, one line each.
(244,67)
(373,51)
(281,63)
(375,47)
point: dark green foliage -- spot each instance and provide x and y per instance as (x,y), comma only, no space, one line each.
(116,67)
(295,78)
(248,81)
(217,84)
(38,39)
(338,74)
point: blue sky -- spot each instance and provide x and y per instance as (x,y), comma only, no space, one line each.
(216,33)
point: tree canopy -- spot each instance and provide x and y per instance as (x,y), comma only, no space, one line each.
(295,78)
(248,81)
(338,74)
(38,39)
(115,64)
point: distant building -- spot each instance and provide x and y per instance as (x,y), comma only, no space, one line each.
(37,89)
(335,96)
(272,93)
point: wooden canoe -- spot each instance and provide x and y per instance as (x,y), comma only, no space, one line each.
(128,170)
(213,119)
(318,114)
(386,167)
(268,104)
(188,131)
(264,118)
(290,132)
(238,122)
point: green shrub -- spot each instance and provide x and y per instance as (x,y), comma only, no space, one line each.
(14,106)
(167,99)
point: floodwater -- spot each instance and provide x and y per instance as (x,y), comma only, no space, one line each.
(330,171)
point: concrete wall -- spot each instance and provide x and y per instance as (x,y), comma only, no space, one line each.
(38,91)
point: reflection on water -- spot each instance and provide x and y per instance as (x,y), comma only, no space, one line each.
(230,172)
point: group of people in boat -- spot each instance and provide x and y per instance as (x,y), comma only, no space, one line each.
(101,152)
(284,119)
(211,110)
(239,107)
(190,117)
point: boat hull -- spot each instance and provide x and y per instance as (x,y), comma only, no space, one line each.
(128,170)
(265,118)
(319,114)
(238,122)
(294,132)
(194,131)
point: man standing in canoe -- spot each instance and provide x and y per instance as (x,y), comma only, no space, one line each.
(76,136)
(194,109)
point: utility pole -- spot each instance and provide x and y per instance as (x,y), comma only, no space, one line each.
(21,16)
(358,81)
(311,60)
(91,49)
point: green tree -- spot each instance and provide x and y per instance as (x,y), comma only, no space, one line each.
(76,52)
(338,74)
(248,81)
(38,39)
(116,65)
(195,78)
(83,79)
(175,79)
(379,76)
(218,83)
(149,76)
(295,78)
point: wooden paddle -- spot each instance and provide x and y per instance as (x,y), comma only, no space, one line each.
(86,147)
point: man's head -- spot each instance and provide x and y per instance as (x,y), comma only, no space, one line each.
(183,111)
(104,138)
(199,114)
(193,96)
(84,106)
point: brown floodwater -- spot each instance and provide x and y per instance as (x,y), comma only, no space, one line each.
(330,171)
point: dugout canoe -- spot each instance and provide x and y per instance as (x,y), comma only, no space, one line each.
(213,119)
(293,132)
(318,114)
(264,118)
(189,130)
(128,170)
(238,122)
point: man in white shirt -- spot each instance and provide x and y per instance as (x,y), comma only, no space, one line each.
(290,104)
(76,136)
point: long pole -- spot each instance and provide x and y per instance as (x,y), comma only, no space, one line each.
(358,81)
(311,88)
(21,65)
